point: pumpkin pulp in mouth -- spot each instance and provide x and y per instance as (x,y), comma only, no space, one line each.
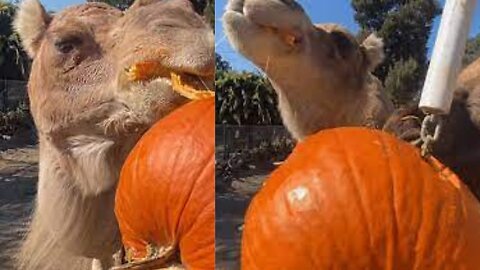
(187,85)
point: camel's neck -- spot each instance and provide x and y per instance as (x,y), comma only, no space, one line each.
(307,108)
(76,192)
(89,164)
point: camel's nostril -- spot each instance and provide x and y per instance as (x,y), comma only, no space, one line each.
(289,37)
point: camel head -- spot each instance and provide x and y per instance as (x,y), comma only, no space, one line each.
(278,36)
(305,62)
(82,57)
(100,77)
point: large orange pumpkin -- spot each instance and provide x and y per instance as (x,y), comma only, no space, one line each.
(354,198)
(165,197)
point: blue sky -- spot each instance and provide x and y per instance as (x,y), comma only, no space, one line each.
(337,11)
(55,5)
(332,11)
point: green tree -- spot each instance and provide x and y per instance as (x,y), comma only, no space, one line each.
(402,81)
(405,26)
(14,62)
(472,51)
(221,66)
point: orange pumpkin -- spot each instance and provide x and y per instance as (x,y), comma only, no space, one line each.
(165,196)
(354,198)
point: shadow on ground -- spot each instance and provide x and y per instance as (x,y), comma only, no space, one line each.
(18,178)
(231,203)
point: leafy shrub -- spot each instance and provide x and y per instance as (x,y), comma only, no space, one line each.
(15,120)
(245,99)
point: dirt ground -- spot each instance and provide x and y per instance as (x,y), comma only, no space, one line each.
(230,207)
(18,177)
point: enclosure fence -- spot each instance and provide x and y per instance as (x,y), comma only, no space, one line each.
(12,93)
(230,139)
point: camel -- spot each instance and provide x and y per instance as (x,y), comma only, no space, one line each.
(89,114)
(321,74)
(459,143)
(323,80)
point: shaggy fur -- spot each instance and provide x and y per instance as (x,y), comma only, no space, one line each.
(320,72)
(459,145)
(89,116)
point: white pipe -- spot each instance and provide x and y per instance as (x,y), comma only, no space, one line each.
(447,56)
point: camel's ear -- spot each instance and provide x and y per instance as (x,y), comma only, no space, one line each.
(372,47)
(31,22)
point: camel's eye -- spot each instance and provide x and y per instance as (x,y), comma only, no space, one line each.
(67,45)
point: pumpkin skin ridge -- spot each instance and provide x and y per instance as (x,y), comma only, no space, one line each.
(422,226)
(120,215)
(418,229)
(186,231)
(385,146)
(410,175)
(137,170)
(389,158)
(355,177)
(427,235)
(198,253)
(441,227)
(203,172)
(273,186)
(148,169)
(354,174)
(186,142)
(179,231)
(191,143)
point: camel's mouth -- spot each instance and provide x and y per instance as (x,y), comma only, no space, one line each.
(290,38)
(188,85)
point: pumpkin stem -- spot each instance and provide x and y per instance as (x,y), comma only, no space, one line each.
(156,258)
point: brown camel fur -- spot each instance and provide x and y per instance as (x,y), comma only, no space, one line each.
(321,74)
(89,114)
(459,144)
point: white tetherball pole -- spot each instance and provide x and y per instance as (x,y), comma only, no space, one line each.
(447,56)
